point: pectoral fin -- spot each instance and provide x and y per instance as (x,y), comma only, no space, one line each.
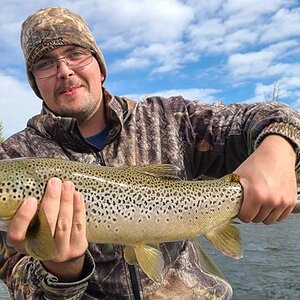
(39,241)
(226,238)
(206,263)
(150,260)
(129,255)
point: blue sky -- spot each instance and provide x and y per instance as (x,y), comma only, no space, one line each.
(217,50)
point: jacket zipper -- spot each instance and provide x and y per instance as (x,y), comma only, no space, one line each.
(99,159)
(134,282)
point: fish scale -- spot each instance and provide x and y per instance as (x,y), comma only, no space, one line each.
(134,206)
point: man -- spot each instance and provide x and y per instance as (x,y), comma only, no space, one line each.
(82,121)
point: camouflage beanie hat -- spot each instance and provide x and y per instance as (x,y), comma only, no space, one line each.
(50,28)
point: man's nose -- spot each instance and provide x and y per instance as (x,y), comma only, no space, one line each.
(64,70)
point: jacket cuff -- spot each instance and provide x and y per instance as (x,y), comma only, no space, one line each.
(288,131)
(55,290)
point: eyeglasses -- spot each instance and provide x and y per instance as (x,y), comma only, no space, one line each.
(76,59)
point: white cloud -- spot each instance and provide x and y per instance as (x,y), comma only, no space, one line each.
(141,22)
(281,26)
(238,39)
(253,7)
(150,32)
(131,63)
(213,36)
(264,63)
(283,48)
(162,58)
(17,105)
(237,24)
(292,82)
(205,9)
(207,35)
(252,64)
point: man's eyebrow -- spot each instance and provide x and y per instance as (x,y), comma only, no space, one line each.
(70,48)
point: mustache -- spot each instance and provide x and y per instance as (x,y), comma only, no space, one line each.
(65,85)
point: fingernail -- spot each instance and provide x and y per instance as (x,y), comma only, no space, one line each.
(54,181)
(68,185)
(30,202)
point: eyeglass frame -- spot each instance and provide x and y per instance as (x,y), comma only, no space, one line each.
(65,59)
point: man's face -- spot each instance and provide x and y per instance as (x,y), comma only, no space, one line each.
(72,93)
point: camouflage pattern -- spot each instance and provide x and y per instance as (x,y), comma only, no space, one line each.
(50,28)
(201,139)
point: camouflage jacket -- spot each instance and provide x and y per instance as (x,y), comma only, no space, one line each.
(201,139)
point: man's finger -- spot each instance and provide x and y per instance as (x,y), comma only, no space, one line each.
(79,222)
(17,228)
(65,217)
(51,201)
(263,213)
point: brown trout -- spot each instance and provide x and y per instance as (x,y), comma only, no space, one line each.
(138,207)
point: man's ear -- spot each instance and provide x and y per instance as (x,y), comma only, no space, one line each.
(102,78)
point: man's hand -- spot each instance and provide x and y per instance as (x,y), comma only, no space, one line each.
(65,211)
(269,182)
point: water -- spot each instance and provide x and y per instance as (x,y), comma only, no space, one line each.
(4,295)
(270,268)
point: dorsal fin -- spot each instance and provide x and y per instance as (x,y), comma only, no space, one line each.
(159,170)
